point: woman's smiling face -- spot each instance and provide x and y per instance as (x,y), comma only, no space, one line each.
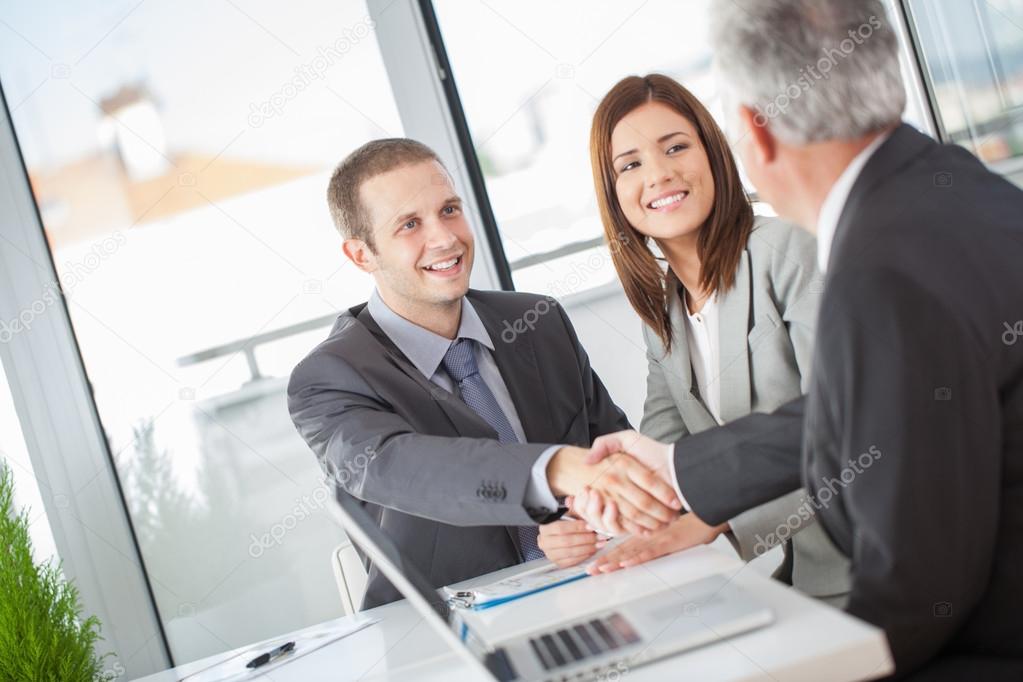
(663,179)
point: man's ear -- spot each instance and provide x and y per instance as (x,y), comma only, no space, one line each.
(765,146)
(360,253)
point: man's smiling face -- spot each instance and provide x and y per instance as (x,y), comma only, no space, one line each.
(423,246)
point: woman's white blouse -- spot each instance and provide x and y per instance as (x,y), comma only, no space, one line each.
(702,338)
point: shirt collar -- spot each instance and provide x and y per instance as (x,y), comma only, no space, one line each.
(834,202)
(706,312)
(423,348)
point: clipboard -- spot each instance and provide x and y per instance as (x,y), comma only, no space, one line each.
(513,588)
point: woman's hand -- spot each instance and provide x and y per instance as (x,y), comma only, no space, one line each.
(688,531)
(568,542)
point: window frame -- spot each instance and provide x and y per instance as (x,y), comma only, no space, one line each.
(1010,167)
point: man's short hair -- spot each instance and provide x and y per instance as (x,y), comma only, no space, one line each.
(350,216)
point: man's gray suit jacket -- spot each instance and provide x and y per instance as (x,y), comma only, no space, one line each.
(427,467)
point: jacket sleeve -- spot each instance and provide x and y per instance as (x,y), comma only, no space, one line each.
(376,456)
(730,469)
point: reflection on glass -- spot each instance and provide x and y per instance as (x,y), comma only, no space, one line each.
(530,115)
(973,54)
(179,154)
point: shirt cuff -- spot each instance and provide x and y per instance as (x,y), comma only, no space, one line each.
(540,501)
(674,479)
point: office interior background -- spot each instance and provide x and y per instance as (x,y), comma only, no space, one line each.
(165,163)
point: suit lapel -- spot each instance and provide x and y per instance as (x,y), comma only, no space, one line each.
(517,363)
(679,364)
(733,342)
(463,419)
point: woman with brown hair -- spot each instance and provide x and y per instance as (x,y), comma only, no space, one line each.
(728,310)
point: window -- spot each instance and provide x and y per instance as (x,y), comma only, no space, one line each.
(529,107)
(972,53)
(181,182)
(529,114)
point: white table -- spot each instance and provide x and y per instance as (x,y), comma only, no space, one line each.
(808,641)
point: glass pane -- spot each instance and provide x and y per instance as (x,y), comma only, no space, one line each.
(179,154)
(529,112)
(973,57)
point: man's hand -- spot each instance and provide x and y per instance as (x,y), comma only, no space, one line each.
(688,531)
(650,453)
(644,501)
(568,542)
(601,511)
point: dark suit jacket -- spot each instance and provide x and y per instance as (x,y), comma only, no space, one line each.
(429,469)
(912,431)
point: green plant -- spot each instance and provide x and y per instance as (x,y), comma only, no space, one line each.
(42,634)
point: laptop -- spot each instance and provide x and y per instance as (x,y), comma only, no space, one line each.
(612,638)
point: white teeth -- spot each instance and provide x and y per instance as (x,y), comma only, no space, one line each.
(445,265)
(674,198)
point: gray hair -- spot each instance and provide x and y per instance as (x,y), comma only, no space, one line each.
(813,70)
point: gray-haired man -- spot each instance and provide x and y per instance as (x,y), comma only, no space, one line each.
(912,433)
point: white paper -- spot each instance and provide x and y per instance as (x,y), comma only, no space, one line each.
(234,668)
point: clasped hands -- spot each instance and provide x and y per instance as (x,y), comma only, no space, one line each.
(622,484)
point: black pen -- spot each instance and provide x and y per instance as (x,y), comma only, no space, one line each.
(263,659)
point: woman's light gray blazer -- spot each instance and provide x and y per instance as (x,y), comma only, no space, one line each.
(766,329)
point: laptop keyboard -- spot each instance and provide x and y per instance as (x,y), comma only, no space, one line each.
(583,640)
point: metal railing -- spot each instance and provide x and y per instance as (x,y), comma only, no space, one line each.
(249,344)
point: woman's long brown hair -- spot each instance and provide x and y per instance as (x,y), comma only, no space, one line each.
(722,237)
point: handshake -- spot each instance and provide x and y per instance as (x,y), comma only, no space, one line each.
(623,484)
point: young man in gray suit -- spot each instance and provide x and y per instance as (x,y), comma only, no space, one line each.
(912,432)
(455,415)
